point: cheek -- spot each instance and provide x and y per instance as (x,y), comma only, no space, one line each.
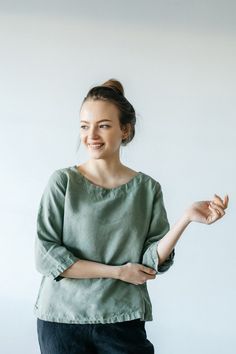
(114,141)
(83,134)
(83,138)
(115,135)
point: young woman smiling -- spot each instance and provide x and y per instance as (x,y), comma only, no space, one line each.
(102,233)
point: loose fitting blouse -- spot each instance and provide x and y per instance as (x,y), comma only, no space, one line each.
(79,220)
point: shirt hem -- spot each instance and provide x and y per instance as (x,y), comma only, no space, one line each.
(121,317)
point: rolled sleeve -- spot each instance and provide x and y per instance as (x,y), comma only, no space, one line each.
(159,226)
(51,257)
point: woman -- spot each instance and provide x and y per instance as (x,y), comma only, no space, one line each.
(102,232)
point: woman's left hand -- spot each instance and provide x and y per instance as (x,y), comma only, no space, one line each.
(209,211)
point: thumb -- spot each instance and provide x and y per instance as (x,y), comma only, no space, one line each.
(149,270)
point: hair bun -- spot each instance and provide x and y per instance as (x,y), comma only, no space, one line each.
(115,85)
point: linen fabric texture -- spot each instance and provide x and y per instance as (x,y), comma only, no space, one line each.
(79,220)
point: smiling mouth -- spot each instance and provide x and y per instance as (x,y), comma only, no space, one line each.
(95,146)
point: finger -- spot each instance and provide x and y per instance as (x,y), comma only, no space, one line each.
(148,270)
(226,200)
(218,200)
(214,215)
(218,209)
(153,276)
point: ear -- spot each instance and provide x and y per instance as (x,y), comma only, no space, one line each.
(126,130)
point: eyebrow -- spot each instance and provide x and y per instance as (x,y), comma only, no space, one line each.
(103,120)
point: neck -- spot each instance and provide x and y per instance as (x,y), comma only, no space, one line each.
(105,169)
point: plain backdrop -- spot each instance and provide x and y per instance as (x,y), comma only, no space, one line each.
(176,60)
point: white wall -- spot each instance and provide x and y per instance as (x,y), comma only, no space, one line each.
(176,60)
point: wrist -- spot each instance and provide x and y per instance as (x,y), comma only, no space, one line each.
(186,218)
(116,272)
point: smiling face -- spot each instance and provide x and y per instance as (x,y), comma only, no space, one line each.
(100,129)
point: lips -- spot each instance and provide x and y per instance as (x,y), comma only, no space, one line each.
(95,143)
(95,146)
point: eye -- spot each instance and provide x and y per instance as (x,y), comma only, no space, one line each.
(105,125)
(102,125)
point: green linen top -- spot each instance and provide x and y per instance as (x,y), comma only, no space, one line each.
(80,220)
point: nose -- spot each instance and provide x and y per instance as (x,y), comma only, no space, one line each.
(92,132)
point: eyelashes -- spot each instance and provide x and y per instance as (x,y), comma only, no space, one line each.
(102,125)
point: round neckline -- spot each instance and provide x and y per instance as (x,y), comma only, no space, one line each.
(94,186)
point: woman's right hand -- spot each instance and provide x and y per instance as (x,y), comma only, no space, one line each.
(136,273)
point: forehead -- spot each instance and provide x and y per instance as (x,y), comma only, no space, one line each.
(97,110)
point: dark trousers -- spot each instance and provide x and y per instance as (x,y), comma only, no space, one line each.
(127,337)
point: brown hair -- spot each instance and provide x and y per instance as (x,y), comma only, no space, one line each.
(113,91)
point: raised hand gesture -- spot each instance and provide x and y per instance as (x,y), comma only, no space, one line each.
(209,211)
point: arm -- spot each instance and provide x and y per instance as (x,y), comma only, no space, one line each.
(133,273)
(158,228)
(168,242)
(197,212)
(205,212)
(51,256)
(89,269)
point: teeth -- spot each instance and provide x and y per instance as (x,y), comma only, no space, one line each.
(95,145)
